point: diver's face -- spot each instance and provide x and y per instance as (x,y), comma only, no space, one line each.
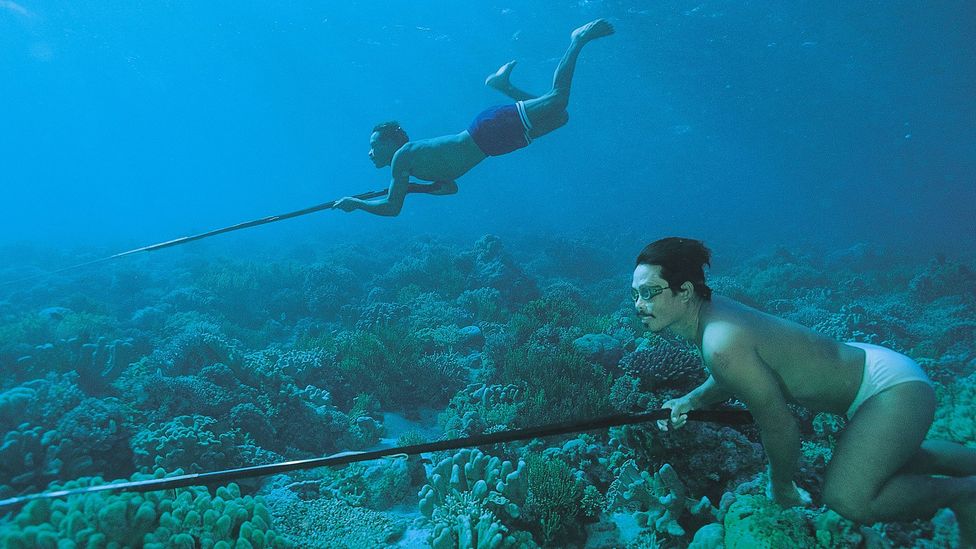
(655,304)
(380,150)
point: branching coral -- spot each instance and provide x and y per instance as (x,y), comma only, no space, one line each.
(481,408)
(471,497)
(554,498)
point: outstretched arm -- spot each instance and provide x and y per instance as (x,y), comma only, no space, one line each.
(390,205)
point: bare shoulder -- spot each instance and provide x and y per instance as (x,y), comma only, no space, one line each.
(723,341)
(402,163)
(406,151)
(729,333)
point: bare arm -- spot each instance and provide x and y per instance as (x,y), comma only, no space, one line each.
(390,205)
(708,394)
(440,188)
(735,365)
(703,396)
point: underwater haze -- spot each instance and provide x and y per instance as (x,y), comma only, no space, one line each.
(825,152)
(748,121)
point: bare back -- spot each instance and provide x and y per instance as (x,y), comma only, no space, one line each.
(813,370)
(444,158)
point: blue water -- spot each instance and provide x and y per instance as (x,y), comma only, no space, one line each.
(756,122)
(826,152)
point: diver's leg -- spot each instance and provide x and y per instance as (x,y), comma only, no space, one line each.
(863,481)
(548,112)
(501,81)
(941,457)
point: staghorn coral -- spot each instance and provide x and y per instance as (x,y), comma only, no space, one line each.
(559,384)
(390,365)
(248,292)
(546,321)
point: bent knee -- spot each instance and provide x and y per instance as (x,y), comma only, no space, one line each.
(552,103)
(848,504)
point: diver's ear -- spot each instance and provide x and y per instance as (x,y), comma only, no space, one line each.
(688,290)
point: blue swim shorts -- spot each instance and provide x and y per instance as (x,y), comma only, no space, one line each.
(501,130)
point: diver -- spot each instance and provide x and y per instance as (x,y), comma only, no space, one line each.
(494,132)
(882,468)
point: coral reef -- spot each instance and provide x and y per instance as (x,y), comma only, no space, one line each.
(954,416)
(657,501)
(192,517)
(662,364)
(202,363)
(472,497)
(755,521)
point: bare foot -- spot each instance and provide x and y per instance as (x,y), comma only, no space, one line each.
(500,79)
(593,30)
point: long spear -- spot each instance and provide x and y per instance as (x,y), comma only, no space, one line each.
(412,188)
(728,417)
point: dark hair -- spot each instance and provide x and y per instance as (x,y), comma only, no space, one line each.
(681,260)
(392,131)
